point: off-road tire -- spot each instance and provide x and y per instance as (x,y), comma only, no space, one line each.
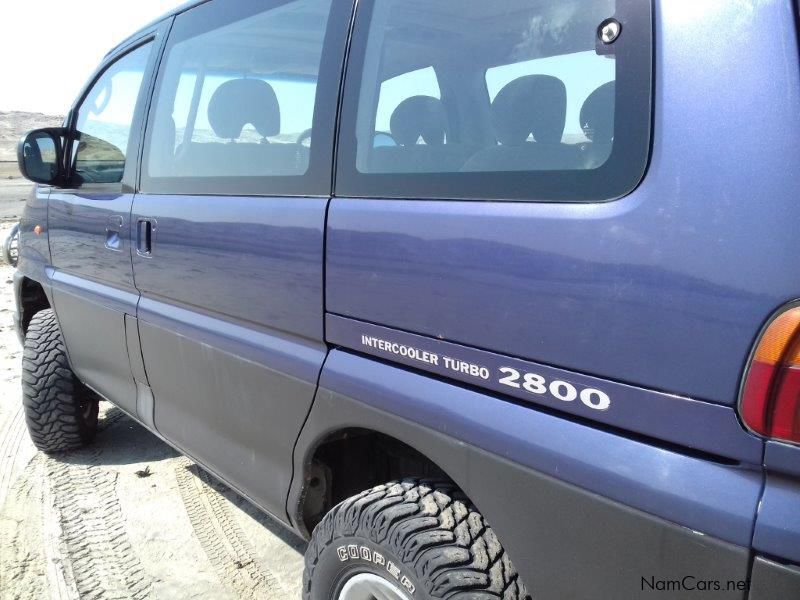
(424,535)
(61,413)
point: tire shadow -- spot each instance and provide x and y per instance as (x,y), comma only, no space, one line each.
(119,441)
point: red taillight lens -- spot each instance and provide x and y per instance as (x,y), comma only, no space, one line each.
(770,403)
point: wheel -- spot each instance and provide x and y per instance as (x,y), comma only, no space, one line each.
(11,246)
(407,540)
(61,413)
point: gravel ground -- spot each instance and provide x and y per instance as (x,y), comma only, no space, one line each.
(126,517)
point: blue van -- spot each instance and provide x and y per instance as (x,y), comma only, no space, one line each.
(484,299)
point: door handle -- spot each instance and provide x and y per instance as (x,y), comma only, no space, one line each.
(145,237)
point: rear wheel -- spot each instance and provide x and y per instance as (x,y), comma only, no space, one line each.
(408,539)
(61,413)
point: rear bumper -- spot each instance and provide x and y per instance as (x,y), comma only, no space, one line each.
(566,539)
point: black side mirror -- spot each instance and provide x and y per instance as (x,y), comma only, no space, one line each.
(40,155)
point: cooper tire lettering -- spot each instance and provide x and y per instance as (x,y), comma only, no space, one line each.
(366,554)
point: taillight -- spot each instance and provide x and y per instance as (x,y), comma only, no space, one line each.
(770,403)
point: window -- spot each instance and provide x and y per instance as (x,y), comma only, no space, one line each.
(509,100)
(582,73)
(236,97)
(105,119)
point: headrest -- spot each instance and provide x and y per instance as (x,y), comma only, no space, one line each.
(239,102)
(534,104)
(419,116)
(597,114)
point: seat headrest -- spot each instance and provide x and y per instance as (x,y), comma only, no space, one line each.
(419,116)
(597,114)
(239,102)
(534,104)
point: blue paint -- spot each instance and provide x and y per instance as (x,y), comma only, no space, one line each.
(34,250)
(249,259)
(782,458)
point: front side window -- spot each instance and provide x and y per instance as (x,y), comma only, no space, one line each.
(105,119)
(509,100)
(237,94)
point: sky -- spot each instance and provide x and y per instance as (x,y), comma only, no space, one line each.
(49,48)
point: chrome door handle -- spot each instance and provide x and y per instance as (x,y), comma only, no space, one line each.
(145,237)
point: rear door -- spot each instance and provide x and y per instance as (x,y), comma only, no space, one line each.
(90,222)
(236,178)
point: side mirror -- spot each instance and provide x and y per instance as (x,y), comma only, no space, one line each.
(40,155)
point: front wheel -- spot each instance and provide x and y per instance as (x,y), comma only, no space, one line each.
(61,413)
(408,540)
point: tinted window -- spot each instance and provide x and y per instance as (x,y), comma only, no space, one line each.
(497,89)
(236,96)
(105,118)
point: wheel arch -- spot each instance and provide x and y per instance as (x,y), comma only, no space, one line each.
(32,298)
(347,459)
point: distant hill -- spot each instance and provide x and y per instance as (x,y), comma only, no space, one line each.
(14,124)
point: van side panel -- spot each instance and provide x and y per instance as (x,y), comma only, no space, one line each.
(519,467)
(665,288)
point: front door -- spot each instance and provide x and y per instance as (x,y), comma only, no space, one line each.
(89,224)
(230,225)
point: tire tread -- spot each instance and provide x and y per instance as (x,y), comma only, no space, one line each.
(433,528)
(53,399)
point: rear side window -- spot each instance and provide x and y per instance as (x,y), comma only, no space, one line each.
(511,100)
(237,98)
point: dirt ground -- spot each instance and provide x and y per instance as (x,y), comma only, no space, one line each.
(13,192)
(126,517)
